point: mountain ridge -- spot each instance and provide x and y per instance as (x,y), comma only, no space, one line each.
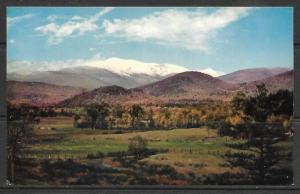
(39,94)
(186,86)
(252,74)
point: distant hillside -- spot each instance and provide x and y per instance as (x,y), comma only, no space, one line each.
(109,94)
(281,81)
(187,86)
(250,75)
(38,94)
(192,85)
(183,87)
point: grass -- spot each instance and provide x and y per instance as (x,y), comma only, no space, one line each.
(197,150)
(90,141)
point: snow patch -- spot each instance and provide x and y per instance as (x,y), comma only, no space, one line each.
(129,67)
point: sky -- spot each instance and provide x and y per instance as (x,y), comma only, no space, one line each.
(217,39)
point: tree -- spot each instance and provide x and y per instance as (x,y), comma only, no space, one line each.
(164,117)
(97,114)
(19,126)
(75,122)
(136,112)
(111,122)
(261,162)
(92,112)
(258,106)
(238,102)
(137,146)
(151,121)
(264,154)
(185,119)
(117,113)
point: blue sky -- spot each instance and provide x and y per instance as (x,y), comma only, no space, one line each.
(222,39)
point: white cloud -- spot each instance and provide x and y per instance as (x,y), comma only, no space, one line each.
(14,20)
(53,17)
(12,41)
(188,29)
(77,18)
(76,26)
(212,72)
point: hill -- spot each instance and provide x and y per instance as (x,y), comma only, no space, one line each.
(189,85)
(250,75)
(39,94)
(281,81)
(109,94)
(182,87)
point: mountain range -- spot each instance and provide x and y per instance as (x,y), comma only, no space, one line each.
(86,77)
(113,87)
(97,73)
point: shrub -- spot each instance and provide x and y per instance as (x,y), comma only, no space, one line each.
(95,156)
(137,146)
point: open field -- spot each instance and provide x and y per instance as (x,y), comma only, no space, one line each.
(183,156)
(196,151)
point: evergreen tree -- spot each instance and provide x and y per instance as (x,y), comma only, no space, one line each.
(261,153)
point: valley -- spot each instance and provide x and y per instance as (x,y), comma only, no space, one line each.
(185,129)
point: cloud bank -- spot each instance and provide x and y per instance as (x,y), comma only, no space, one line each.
(188,29)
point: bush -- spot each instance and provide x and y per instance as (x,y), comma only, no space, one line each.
(137,146)
(81,123)
(95,156)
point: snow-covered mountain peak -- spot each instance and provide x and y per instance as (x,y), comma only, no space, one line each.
(129,67)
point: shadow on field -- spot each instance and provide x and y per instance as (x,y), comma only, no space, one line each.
(94,171)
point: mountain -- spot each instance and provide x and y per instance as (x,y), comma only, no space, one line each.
(38,94)
(93,74)
(85,77)
(183,87)
(129,67)
(187,86)
(250,75)
(190,84)
(109,94)
(281,81)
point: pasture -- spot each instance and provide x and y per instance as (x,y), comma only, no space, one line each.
(181,157)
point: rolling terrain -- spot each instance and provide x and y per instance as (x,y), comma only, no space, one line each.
(109,94)
(281,81)
(39,94)
(183,87)
(190,85)
(250,75)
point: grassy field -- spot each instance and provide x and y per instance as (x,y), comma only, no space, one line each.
(195,151)
(186,148)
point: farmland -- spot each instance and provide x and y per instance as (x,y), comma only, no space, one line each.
(195,150)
